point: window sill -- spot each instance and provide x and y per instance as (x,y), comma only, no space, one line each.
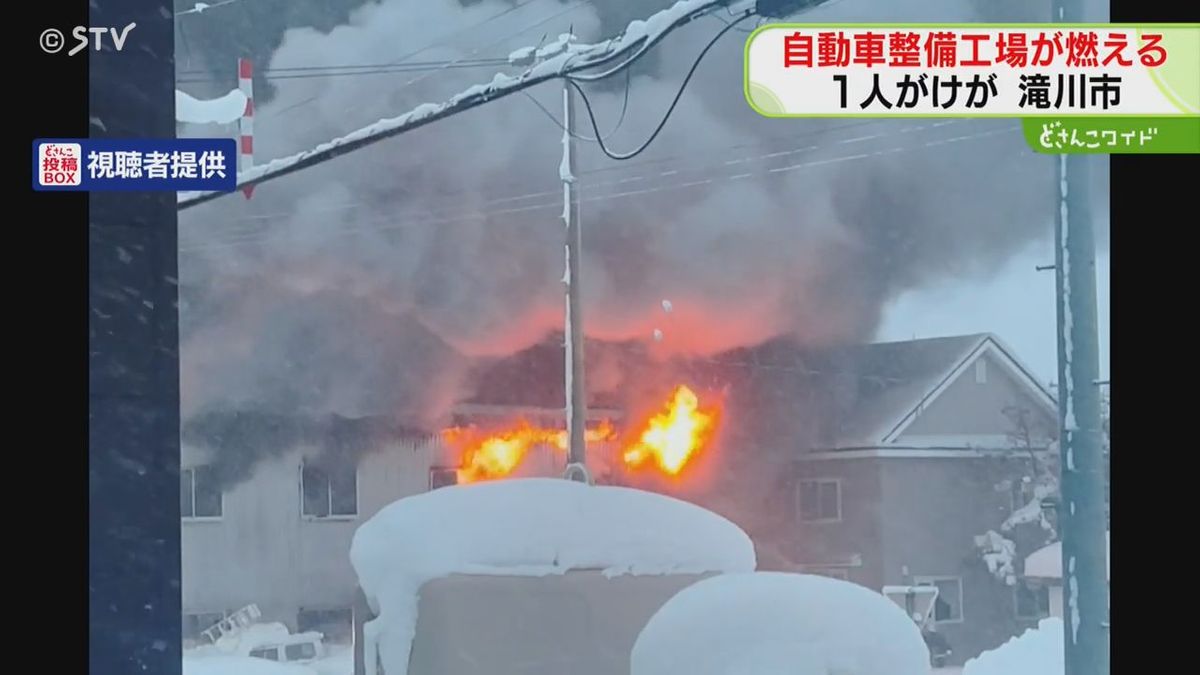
(329,519)
(821,521)
(202,519)
(947,622)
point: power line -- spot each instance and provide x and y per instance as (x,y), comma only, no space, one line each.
(253,237)
(587,57)
(678,95)
(632,179)
(271,75)
(354,67)
(620,118)
(688,160)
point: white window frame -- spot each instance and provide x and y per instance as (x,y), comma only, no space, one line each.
(332,516)
(933,581)
(191,471)
(800,500)
(981,370)
(1017,603)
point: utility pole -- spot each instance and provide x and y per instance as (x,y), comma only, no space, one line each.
(1082,517)
(574,389)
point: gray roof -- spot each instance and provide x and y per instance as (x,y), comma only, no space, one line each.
(838,397)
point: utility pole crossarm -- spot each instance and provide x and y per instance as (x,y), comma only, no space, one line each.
(637,38)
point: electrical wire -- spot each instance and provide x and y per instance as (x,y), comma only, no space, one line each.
(388,222)
(620,119)
(678,95)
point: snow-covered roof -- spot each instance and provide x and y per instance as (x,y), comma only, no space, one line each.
(1046,563)
(223,110)
(529,527)
(773,622)
(867,393)
(1037,651)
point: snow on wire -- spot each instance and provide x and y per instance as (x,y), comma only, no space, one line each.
(638,37)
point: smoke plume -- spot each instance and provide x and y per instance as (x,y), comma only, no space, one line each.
(367,284)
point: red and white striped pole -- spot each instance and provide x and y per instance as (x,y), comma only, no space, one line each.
(246,123)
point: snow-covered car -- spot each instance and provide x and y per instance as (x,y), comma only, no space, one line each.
(298,648)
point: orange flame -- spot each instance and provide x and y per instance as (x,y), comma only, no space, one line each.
(495,455)
(673,436)
(669,440)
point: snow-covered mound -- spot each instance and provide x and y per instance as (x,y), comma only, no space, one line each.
(223,110)
(774,623)
(1037,651)
(253,636)
(241,665)
(528,527)
(1046,563)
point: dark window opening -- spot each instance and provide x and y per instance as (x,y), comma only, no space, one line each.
(329,491)
(199,493)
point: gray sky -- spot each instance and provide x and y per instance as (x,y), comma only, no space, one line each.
(1017,305)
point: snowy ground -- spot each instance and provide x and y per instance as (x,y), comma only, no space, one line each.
(339,660)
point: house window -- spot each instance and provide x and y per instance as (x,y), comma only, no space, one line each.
(1032,600)
(441,477)
(269,653)
(300,652)
(981,371)
(329,491)
(199,493)
(337,624)
(820,500)
(948,607)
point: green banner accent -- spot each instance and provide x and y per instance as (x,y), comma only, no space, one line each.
(1112,135)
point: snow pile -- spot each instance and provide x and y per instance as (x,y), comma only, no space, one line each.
(769,623)
(999,554)
(224,110)
(1046,563)
(1038,651)
(240,665)
(528,527)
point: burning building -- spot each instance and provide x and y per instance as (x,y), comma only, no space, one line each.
(868,463)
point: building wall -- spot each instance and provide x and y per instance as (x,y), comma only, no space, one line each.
(854,543)
(972,408)
(935,508)
(263,551)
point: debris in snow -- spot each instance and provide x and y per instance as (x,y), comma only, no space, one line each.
(1037,651)
(666,305)
(637,37)
(528,527)
(224,110)
(773,622)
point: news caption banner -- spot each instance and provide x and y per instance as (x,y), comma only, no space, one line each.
(1077,88)
(134,165)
